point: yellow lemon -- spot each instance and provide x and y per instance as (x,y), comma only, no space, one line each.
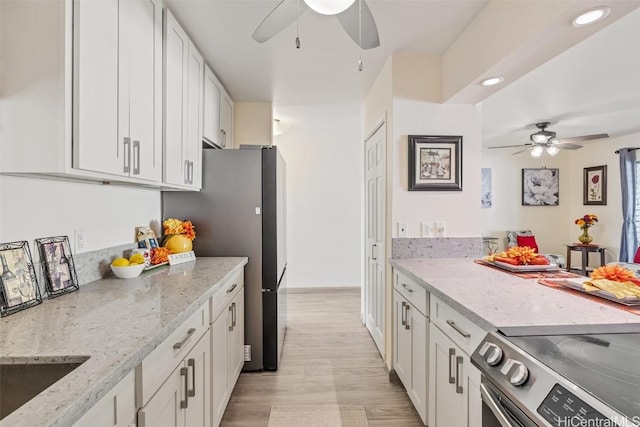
(136,259)
(120,262)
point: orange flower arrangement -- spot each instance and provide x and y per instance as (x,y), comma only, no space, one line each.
(615,273)
(176,226)
(521,255)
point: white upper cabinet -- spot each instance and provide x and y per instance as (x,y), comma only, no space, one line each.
(226,121)
(211,128)
(183,103)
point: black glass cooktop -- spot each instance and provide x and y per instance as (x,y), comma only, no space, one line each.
(606,365)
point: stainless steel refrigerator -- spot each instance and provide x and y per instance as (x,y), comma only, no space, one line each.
(241,211)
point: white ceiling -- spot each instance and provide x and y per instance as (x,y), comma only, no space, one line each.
(325,69)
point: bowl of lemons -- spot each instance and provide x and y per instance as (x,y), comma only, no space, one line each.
(125,268)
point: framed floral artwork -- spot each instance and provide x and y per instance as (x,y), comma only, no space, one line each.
(594,185)
(540,187)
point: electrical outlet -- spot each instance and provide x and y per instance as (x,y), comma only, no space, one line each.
(426,229)
(402,229)
(80,237)
(441,227)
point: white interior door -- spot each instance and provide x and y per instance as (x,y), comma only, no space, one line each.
(374,289)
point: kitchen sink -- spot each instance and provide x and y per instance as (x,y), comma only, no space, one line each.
(24,378)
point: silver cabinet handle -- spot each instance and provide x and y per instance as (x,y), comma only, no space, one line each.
(191,174)
(404,285)
(224,137)
(185,403)
(136,157)
(235,285)
(459,362)
(191,363)
(127,155)
(406,323)
(186,171)
(452,352)
(373,251)
(231,325)
(233,313)
(178,345)
(487,398)
(404,320)
(458,329)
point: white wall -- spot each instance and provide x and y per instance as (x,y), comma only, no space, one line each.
(32,208)
(252,123)
(323,148)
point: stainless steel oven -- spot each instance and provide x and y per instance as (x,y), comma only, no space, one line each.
(560,377)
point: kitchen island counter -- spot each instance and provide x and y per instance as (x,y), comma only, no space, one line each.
(114,322)
(495,299)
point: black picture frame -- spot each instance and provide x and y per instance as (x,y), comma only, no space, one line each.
(18,282)
(58,267)
(540,187)
(594,186)
(435,163)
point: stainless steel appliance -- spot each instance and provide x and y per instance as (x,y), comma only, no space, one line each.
(560,376)
(241,211)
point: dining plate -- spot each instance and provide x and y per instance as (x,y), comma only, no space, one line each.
(577,285)
(525,268)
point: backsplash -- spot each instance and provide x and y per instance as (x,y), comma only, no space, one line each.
(439,247)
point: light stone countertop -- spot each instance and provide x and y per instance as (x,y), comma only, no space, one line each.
(493,299)
(115,322)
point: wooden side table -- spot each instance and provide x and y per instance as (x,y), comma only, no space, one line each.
(585,250)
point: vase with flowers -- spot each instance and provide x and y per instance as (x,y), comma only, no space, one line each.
(179,235)
(585,222)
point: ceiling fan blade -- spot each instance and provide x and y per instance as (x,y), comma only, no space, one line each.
(580,138)
(512,146)
(567,146)
(350,21)
(521,151)
(278,19)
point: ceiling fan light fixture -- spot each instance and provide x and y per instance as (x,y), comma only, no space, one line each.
(539,137)
(552,150)
(536,152)
(329,7)
(492,81)
(591,16)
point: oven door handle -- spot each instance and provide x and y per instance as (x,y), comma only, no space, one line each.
(487,398)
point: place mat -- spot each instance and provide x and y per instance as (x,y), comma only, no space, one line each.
(555,285)
(317,416)
(531,274)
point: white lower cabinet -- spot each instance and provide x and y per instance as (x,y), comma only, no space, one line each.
(116,409)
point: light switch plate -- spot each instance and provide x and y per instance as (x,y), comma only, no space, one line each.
(426,229)
(402,229)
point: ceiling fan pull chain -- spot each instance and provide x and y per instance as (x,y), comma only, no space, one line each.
(360,66)
(298,26)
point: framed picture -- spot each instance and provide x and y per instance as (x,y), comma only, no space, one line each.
(18,283)
(435,163)
(485,188)
(540,187)
(594,186)
(58,268)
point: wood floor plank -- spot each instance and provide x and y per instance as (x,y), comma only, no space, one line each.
(328,358)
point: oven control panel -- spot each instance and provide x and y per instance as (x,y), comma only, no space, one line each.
(563,408)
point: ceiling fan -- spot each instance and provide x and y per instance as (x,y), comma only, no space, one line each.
(354,16)
(545,141)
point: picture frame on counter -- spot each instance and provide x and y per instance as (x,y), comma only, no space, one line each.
(58,268)
(435,163)
(18,283)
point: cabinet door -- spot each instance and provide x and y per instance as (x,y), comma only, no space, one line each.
(211,108)
(401,341)
(164,408)
(447,408)
(194,116)
(226,121)
(219,366)
(176,50)
(96,146)
(236,339)
(419,329)
(198,413)
(140,77)
(474,400)
(116,409)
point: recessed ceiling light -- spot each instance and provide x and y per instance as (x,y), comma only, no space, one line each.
(591,16)
(491,81)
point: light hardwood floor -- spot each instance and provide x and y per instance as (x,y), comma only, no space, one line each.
(328,358)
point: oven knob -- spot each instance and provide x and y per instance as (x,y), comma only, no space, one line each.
(493,355)
(520,374)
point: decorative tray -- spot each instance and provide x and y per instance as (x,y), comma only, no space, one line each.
(152,266)
(577,285)
(525,268)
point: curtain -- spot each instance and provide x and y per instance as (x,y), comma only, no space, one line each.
(629,241)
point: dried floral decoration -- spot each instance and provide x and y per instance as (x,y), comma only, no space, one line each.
(176,226)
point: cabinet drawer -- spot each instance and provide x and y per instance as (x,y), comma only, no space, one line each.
(117,407)
(414,293)
(461,330)
(225,293)
(157,366)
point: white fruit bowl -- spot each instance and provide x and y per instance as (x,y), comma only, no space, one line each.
(127,272)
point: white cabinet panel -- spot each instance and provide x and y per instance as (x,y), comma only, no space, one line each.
(236,339)
(211,109)
(164,410)
(402,341)
(219,365)
(116,409)
(194,116)
(226,121)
